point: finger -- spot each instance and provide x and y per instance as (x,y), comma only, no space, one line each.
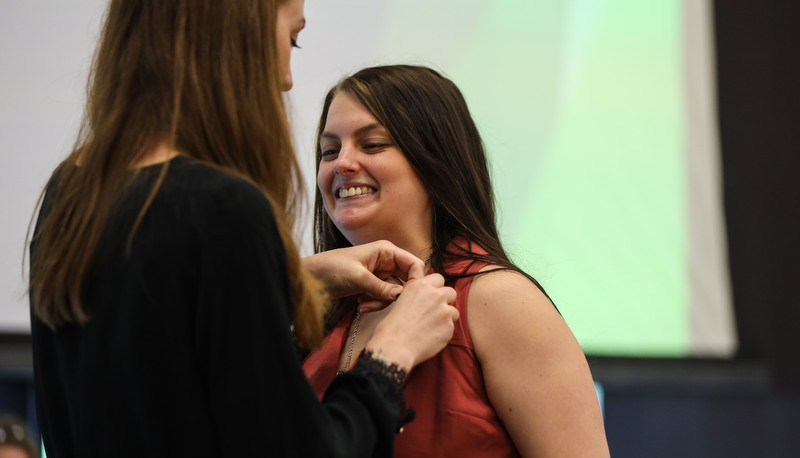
(414,271)
(405,264)
(372,306)
(387,290)
(384,290)
(367,303)
(450,295)
(435,279)
(454,315)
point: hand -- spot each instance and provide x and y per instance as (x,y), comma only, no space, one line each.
(418,325)
(364,268)
(367,303)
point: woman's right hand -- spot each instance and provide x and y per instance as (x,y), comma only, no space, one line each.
(418,325)
(362,269)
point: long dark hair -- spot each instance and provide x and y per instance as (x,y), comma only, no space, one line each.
(428,118)
(202,76)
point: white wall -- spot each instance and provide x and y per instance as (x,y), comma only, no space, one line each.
(45,50)
(508,58)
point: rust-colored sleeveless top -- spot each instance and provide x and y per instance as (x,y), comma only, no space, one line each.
(454,417)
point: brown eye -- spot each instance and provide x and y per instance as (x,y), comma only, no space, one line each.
(374,146)
(327,154)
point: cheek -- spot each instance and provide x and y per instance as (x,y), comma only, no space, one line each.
(284,44)
(410,180)
(321,180)
(324,178)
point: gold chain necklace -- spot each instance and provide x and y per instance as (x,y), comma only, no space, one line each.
(355,329)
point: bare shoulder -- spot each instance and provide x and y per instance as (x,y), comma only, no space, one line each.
(507,309)
(507,293)
(492,285)
(534,370)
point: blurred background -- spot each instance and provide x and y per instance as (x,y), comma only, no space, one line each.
(646,168)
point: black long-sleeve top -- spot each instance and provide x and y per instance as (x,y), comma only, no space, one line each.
(188,351)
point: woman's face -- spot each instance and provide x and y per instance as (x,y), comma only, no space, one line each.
(368,187)
(290,22)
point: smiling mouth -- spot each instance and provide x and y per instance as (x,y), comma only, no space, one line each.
(355,191)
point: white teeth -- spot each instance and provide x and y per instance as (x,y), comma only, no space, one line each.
(355,191)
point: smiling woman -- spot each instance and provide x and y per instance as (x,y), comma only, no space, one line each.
(513,380)
(358,154)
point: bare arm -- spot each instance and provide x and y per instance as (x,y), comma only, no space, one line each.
(535,372)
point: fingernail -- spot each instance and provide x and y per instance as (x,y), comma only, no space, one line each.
(396,292)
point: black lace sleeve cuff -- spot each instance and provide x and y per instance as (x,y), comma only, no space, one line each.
(390,379)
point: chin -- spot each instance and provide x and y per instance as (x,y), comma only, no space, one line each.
(287,84)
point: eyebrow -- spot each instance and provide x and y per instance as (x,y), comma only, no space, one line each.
(359,131)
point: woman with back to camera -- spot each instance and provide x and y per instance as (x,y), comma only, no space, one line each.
(400,158)
(167,293)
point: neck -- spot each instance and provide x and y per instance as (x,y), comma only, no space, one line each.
(422,250)
(425,254)
(161,153)
(420,247)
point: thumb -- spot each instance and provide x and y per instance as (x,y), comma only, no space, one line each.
(385,290)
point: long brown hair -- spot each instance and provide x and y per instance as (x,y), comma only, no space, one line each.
(202,75)
(427,116)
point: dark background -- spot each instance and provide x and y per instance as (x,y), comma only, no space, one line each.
(749,406)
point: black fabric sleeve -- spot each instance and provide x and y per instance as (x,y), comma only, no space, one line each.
(260,400)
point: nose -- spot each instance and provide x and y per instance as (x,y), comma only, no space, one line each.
(346,161)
